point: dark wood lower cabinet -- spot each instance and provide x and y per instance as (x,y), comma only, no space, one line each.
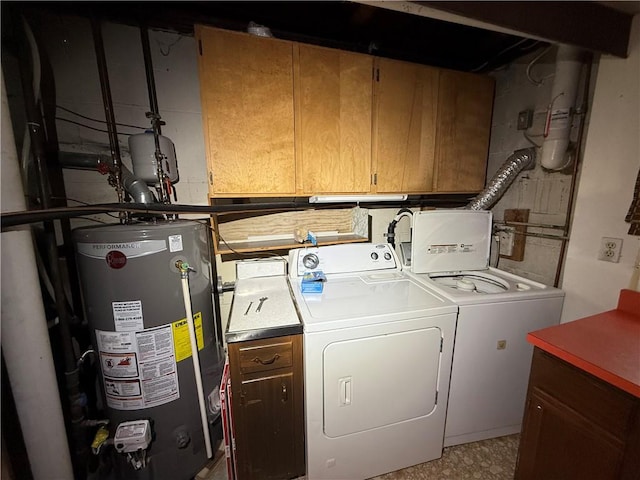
(267,391)
(576,426)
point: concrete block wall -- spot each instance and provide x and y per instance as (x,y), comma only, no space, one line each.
(545,194)
(174,56)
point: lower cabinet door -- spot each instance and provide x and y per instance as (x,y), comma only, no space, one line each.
(560,444)
(265,428)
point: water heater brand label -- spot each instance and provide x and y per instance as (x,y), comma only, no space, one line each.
(129,249)
(116,259)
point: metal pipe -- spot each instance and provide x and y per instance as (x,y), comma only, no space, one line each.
(541,235)
(574,175)
(71,373)
(148,68)
(138,189)
(108,106)
(528,224)
(25,338)
(154,114)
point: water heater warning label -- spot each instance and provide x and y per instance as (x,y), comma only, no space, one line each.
(127,316)
(139,368)
(181,339)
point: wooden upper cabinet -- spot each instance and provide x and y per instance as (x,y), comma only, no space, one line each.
(465,103)
(246,87)
(405,112)
(333,120)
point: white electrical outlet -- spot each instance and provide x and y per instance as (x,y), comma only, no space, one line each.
(610,249)
(507,238)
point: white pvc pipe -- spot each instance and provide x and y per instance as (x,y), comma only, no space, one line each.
(561,106)
(196,363)
(25,339)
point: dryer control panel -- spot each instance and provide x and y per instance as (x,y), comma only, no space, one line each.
(348,258)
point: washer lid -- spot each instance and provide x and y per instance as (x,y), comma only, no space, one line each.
(450,240)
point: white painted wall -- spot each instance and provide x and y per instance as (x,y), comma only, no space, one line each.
(611,162)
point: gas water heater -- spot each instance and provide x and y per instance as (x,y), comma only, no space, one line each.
(135,307)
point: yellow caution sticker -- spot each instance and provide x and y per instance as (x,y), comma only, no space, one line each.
(181,341)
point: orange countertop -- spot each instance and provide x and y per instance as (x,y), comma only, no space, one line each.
(606,345)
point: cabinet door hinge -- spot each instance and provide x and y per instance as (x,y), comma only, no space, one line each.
(200,47)
(211,178)
(377,72)
(374,179)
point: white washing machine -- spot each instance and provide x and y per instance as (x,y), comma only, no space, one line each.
(491,361)
(377,360)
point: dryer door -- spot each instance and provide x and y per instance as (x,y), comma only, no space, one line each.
(378,381)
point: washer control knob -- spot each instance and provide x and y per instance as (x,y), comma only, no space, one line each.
(310,260)
(374,256)
(387,256)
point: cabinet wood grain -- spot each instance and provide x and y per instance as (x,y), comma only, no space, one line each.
(577,426)
(246,87)
(333,115)
(406,99)
(465,103)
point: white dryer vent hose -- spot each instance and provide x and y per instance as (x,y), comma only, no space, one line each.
(503,178)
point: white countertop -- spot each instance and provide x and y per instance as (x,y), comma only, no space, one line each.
(277,311)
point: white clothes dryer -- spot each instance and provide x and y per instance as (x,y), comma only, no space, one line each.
(491,361)
(377,359)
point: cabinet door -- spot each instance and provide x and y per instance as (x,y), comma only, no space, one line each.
(559,443)
(465,103)
(268,397)
(265,435)
(404,126)
(246,85)
(333,120)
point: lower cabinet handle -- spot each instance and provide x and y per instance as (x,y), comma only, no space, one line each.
(266,362)
(285,394)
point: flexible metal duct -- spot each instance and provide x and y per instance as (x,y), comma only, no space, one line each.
(506,174)
(138,189)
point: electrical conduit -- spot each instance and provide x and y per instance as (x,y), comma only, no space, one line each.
(184,276)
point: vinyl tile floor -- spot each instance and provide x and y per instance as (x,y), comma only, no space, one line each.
(493,459)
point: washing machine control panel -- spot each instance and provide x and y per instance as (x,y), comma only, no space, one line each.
(357,257)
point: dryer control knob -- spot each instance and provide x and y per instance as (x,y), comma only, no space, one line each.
(310,260)
(387,256)
(374,256)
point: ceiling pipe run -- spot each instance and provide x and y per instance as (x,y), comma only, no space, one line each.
(503,178)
